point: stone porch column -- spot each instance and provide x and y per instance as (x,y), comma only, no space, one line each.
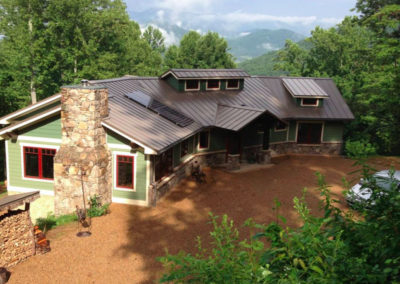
(83,160)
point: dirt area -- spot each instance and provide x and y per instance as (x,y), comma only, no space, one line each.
(126,242)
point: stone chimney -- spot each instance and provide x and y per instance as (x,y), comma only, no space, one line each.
(82,165)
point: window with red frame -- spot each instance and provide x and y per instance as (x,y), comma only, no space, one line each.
(125,171)
(39,162)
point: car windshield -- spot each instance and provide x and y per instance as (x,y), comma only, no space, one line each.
(385,182)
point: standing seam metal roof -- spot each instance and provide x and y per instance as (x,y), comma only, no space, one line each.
(302,87)
(206,73)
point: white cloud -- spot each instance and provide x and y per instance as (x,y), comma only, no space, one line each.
(242,17)
(179,23)
(244,33)
(160,15)
(268,46)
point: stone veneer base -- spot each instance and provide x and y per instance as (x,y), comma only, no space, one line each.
(294,148)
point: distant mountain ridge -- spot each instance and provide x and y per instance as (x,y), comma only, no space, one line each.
(259,42)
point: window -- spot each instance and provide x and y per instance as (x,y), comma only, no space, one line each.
(192,85)
(184,148)
(213,85)
(309,133)
(309,102)
(125,171)
(204,140)
(39,162)
(280,126)
(232,84)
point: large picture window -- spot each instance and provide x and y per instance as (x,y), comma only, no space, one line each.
(39,163)
(125,171)
(309,133)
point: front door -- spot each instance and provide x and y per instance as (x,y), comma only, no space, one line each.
(233,145)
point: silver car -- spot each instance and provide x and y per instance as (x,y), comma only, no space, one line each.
(360,193)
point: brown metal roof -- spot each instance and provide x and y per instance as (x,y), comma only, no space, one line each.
(304,87)
(235,117)
(12,201)
(229,109)
(206,73)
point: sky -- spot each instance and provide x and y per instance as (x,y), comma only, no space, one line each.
(239,15)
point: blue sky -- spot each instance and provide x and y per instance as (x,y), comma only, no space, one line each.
(239,14)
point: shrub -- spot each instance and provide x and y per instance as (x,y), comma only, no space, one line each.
(334,248)
(96,208)
(51,221)
(359,149)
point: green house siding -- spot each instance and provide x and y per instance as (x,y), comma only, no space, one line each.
(217,139)
(292,131)
(176,84)
(250,136)
(140,176)
(333,132)
(277,136)
(49,128)
(114,138)
(15,164)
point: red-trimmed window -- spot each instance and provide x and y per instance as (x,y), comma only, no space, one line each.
(213,84)
(232,84)
(39,163)
(309,133)
(125,171)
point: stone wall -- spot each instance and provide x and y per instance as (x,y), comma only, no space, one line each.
(160,188)
(294,148)
(16,237)
(83,159)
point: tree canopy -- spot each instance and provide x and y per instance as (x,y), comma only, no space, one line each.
(362,56)
(199,51)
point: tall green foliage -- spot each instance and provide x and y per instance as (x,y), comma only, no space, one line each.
(362,56)
(199,51)
(333,247)
(47,44)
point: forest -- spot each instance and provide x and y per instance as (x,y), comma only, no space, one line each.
(46,44)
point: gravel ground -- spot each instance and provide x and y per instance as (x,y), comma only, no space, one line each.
(126,242)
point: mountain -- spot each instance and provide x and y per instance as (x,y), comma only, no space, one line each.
(261,65)
(264,64)
(255,43)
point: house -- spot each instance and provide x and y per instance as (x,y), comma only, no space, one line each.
(129,139)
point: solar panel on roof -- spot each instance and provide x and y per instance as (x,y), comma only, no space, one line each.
(159,108)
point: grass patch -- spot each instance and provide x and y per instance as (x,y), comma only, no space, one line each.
(51,221)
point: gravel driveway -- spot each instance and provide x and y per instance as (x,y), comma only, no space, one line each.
(126,242)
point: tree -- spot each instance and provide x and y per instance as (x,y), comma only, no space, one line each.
(362,58)
(197,51)
(154,38)
(48,44)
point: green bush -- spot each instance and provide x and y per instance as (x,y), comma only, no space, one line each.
(96,208)
(334,248)
(359,149)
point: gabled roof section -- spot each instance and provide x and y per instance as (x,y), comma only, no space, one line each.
(182,74)
(304,88)
(235,117)
(29,109)
(30,120)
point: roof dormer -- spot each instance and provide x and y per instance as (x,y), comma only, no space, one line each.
(305,91)
(192,80)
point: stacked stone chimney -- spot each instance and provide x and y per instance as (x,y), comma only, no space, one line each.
(83,160)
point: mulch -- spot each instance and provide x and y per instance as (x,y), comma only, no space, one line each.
(125,243)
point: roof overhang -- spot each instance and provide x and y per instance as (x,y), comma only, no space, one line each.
(147,150)
(7,119)
(29,121)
